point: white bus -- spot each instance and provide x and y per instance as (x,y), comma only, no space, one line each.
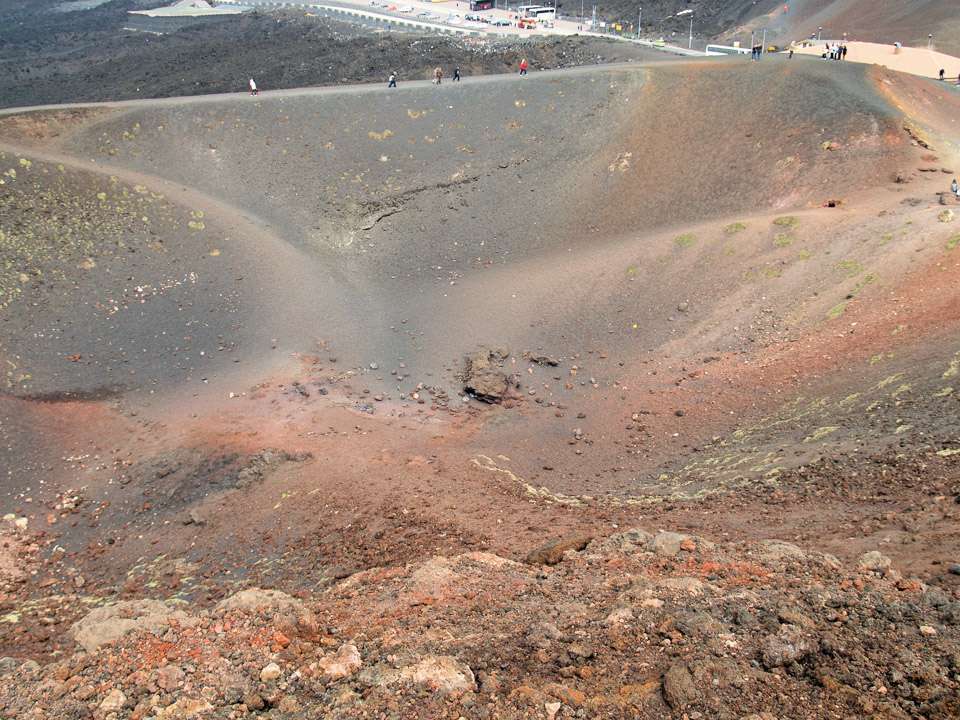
(726,50)
(538,12)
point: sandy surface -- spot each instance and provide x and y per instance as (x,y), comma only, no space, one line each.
(914,60)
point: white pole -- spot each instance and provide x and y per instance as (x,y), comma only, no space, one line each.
(690,43)
(639,22)
(764,40)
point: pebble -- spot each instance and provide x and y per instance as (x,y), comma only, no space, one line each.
(270,672)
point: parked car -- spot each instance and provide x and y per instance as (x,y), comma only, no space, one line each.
(405,8)
(454,20)
(500,22)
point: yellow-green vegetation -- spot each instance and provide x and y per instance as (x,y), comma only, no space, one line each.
(734,228)
(837,310)
(850,268)
(803,255)
(821,433)
(632,270)
(56,222)
(790,222)
(887,381)
(729,251)
(953,242)
(686,240)
(772,272)
(784,239)
(953,369)
(868,279)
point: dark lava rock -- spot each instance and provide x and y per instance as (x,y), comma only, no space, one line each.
(538,358)
(485,378)
(552,552)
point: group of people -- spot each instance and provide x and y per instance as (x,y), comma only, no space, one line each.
(756,51)
(437,77)
(835,51)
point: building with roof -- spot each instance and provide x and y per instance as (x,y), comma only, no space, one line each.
(181,14)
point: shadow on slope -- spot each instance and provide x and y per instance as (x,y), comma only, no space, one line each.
(425,205)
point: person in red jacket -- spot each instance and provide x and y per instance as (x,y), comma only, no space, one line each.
(523,66)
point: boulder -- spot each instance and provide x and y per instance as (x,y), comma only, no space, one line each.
(105,625)
(786,647)
(113,702)
(538,358)
(873,560)
(270,601)
(344,662)
(445,674)
(485,378)
(780,550)
(678,687)
(667,543)
(552,552)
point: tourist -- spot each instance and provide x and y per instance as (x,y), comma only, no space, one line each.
(253,87)
(393,79)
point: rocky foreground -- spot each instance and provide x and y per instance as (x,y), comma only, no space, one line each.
(634,625)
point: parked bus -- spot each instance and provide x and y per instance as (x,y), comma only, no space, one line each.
(478,5)
(726,50)
(540,12)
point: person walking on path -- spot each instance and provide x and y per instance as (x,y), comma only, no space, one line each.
(438,75)
(253,87)
(456,73)
(523,66)
(393,79)
(843,52)
(941,74)
(955,188)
